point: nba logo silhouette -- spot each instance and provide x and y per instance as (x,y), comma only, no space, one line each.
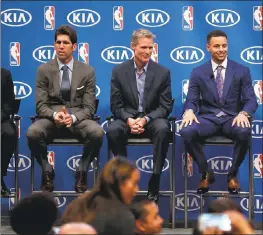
(257,84)
(51,158)
(190,170)
(188,18)
(118,18)
(258,165)
(185,85)
(12,199)
(83,52)
(14,54)
(154,55)
(257,18)
(49,17)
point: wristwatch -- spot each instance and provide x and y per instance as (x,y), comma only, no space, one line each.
(244,113)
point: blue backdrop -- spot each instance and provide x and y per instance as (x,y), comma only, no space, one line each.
(104,31)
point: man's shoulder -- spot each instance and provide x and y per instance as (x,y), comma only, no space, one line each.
(124,65)
(5,72)
(83,66)
(236,64)
(158,67)
(46,66)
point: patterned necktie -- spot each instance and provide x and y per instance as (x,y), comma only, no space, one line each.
(65,84)
(219,82)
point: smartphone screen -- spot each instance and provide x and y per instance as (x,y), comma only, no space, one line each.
(220,221)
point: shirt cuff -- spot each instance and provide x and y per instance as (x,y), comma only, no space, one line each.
(54,114)
(147,119)
(74,119)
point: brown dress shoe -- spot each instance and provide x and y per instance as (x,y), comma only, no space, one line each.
(233,185)
(207,178)
(81,182)
(47,181)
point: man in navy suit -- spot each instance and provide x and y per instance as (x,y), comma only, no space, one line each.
(141,101)
(220,98)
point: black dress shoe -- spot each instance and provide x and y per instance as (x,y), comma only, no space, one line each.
(5,192)
(206,179)
(47,181)
(153,197)
(81,182)
(233,185)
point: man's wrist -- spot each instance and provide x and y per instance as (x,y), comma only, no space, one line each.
(188,110)
(147,119)
(244,113)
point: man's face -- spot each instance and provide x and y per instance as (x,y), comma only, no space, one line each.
(64,48)
(142,51)
(152,222)
(218,49)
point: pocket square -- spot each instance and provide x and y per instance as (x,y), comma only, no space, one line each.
(79,88)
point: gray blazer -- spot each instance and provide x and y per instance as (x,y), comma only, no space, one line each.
(82,91)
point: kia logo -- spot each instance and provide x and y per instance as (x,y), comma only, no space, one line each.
(145,164)
(252,55)
(104,126)
(193,202)
(222,18)
(44,53)
(220,164)
(22,90)
(60,201)
(83,18)
(116,54)
(187,55)
(73,163)
(152,18)
(177,127)
(257,129)
(258,204)
(97,91)
(23,163)
(15,17)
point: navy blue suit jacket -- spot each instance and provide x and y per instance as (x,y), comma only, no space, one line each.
(238,92)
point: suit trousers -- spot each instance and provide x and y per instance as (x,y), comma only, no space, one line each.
(158,130)
(209,125)
(43,130)
(8,143)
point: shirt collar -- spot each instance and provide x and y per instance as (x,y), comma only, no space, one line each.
(215,65)
(69,64)
(144,68)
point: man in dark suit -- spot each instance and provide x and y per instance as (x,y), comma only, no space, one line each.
(141,101)
(8,131)
(220,98)
(65,102)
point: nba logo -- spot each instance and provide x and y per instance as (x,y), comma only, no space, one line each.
(118,18)
(154,55)
(188,18)
(257,84)
(83,52)
(14,53)
(190,170)
(257,18)
(12,199)
(258,165)
(49,17)
(51,158)
(185,85)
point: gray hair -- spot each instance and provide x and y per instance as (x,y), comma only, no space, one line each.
(141,33)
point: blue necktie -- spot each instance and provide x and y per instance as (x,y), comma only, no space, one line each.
(65,84)
(219,82)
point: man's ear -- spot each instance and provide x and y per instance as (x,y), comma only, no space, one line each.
(139,226)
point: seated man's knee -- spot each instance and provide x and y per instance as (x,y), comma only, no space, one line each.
(98,133)
(188,133)
(243,133)
(34,132)
(113,131)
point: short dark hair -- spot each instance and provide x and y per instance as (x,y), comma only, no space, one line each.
(34,214)
(221,205)
(216,33)
(67,30)
(138,209)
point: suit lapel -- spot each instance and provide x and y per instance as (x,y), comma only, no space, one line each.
(211,81)
(130,73)
(228,80)
(55,76)
(75,80)
(148,82)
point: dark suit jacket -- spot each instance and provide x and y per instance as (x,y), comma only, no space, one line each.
(7,95)
(157,91)
(82,91)
(238,93)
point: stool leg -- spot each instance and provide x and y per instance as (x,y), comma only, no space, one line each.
(32,174)
(16,171)
(201,203)
(185,190)
(251,186)
(173,184)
